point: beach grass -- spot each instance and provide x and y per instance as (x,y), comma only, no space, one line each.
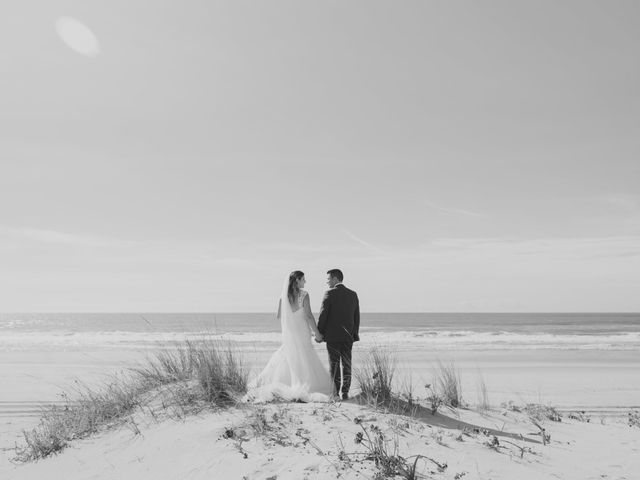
(206,373)
(79,416)
(483,394)
(216,366)
(375,378)
(448,384)
(380,387)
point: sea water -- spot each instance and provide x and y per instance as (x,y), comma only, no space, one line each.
(433,331)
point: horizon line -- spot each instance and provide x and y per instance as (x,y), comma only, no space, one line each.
(362,312)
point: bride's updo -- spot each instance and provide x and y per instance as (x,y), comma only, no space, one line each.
(293,290)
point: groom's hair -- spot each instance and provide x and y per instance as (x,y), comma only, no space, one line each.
(336,273)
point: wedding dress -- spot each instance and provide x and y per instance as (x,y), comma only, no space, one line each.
(294,372)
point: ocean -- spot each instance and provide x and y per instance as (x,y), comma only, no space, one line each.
(434,331)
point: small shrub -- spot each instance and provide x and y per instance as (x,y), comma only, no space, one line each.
(438,436)
(542,412)
(511,406)
(435,400)
(634,418)
(384,453)
(258,421)
(580,416)
(494,443)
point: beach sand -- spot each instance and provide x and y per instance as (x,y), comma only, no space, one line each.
(604,384)
(305,441)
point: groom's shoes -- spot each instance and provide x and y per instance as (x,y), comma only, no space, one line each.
(345,396)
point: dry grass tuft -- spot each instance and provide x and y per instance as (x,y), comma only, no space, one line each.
(384,453)
(541,413)
(483,395)
(634,418)
(448,384)
(194,373)
(79,418)
(375,378)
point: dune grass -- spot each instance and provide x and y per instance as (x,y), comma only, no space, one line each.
(206,372)
(218,369)
(375,378)
(448,384)
(380,387)
(483,395)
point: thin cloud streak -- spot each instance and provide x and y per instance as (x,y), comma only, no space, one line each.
(626,202)
(559,248)
(360,241)
(500,250)
(297,248)
(457,211)
(47,236)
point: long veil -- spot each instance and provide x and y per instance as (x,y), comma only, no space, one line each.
(295,333)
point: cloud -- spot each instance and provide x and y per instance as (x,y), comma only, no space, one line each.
(360,241)
(455,211)
(622,201)
(568,247)
(55,237)
(446,274)
(297,248)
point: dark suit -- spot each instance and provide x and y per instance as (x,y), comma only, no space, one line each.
(339,323)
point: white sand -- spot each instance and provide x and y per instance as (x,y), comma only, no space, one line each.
(303,441)
(597,381)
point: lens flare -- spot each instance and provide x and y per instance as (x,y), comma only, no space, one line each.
(77,36)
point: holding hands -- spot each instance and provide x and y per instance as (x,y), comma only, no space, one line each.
(319,338)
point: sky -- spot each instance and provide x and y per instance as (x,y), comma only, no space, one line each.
(447,156)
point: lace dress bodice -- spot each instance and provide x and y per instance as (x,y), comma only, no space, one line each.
(301,297)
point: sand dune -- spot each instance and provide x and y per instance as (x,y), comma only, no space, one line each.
(318,441)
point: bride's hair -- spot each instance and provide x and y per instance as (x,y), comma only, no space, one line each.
(292,289)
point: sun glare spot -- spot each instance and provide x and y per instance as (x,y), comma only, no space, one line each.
(77,36)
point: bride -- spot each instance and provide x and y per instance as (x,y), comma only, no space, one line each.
(295,371)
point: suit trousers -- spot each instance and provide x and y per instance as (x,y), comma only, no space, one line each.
(340,352)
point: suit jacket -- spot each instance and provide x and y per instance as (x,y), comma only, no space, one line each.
(339,319)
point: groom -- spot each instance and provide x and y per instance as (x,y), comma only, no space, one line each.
(339,322)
